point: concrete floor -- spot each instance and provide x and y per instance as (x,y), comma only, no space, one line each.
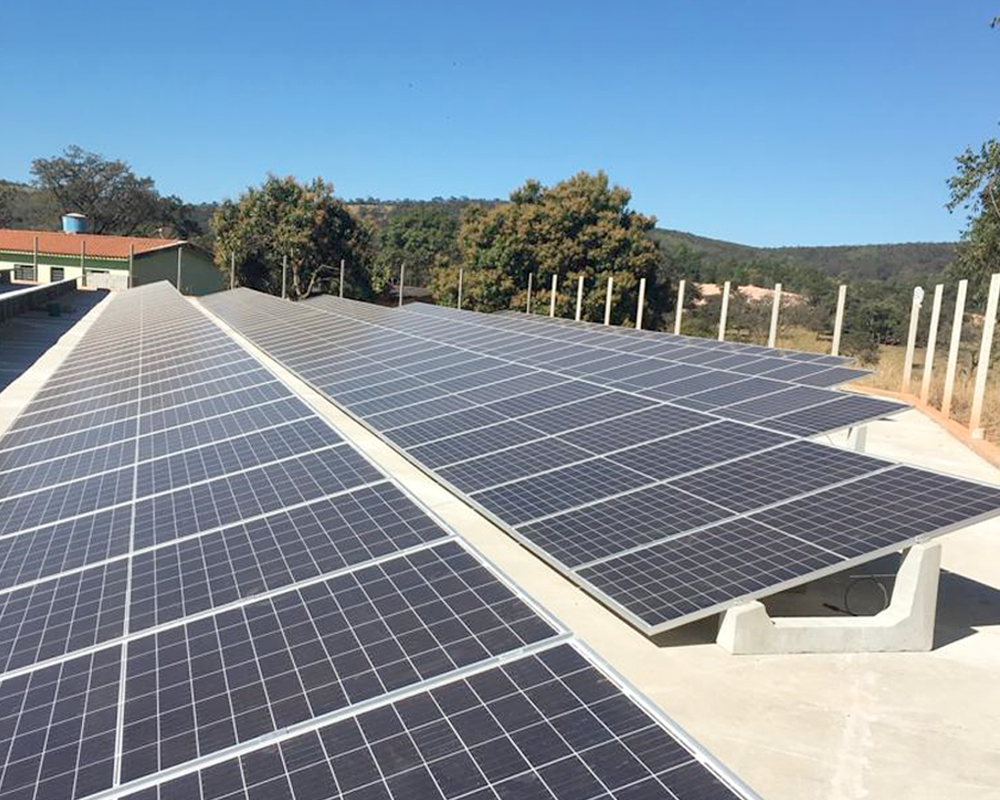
(878,726)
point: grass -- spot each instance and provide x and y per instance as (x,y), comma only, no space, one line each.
(888,374)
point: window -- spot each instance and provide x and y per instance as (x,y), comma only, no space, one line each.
(24,272)
(58,274)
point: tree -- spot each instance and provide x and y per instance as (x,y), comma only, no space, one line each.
(976,187)
(303,222)
(6,199)
(581,226)
(421,236)
(112,197)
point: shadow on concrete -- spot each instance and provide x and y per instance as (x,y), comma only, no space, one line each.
(26,338)
(963,606)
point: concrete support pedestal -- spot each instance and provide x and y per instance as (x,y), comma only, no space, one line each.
(907,625)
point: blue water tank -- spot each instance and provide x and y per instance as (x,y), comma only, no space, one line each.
(74,223)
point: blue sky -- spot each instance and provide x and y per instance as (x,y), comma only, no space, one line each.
(767,123)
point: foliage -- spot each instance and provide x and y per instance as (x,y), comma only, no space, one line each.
(914,260)
(976,187)
(303,222)
(581,226)
(420,235)
(109,193)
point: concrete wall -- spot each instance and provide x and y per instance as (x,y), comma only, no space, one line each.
(198,274)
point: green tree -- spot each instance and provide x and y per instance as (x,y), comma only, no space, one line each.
(976,187)
(303,222)
(581,226)
(108,192)
(421,236)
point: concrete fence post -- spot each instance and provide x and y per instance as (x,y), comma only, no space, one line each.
(461,275)
(641,305)
(232,270)
(838,322)
(579,298)
(552,299)
(772,335)
(680,306)
(530,281)
(341,278)
(724,312)
(607,301)
(983,367)
(34,259)
(131,263)
(953,347)
(402,281)
(925,381)
(911,337)
(284,279)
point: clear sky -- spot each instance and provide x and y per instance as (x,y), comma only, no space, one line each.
(768,123)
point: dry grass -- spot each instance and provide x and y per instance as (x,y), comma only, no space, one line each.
(888,375)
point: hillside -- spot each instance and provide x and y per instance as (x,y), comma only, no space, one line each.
(877,261)
(28,208)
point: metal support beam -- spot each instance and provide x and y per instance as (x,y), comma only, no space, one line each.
(983,367)
(180,256)
(953,346)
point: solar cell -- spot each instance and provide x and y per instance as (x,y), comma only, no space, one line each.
(234,676)
(835,414)
(545,725)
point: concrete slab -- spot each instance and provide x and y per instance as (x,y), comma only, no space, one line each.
(795,727)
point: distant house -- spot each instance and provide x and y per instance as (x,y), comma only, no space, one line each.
(105,262)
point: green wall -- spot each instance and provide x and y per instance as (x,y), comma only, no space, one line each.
(198,274)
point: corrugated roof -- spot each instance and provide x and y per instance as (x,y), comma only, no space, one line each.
(98,245)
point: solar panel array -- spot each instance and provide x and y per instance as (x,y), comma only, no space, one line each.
(205,592)
(667,488)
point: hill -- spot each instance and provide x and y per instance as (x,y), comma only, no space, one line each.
(873,261)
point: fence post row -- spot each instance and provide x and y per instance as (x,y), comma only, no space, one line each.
(983,367)
(911,337)
(838,322)
(724,312)
(953,347)
(641,304)
(680,306)
(607,301)
(772,335)
(552,299)
(925,383)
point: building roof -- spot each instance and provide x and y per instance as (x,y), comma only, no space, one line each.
(98,245)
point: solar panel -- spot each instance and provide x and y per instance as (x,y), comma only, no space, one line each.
(547,725)
(630,482)
(209,563)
